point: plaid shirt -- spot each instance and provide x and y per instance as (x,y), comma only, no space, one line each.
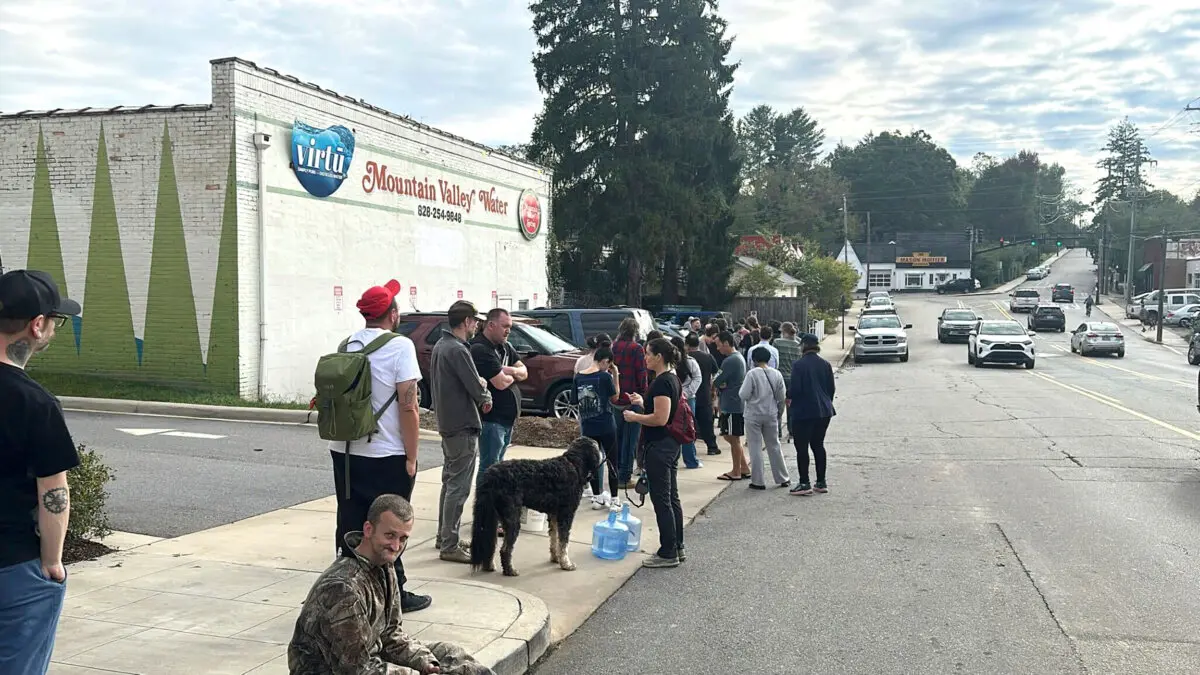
(630,360)
(789,353)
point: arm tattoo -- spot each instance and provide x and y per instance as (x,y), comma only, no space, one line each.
(56,500)
(409,399)
(19,352)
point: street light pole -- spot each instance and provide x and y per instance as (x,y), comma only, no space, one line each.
(868,253)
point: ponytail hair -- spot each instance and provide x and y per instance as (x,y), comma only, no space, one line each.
(681,368)
(599,340)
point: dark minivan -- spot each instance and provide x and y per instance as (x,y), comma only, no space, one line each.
(1048,317)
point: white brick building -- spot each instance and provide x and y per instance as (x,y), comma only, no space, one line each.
(201,264)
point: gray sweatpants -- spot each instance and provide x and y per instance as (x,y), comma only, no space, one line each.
(460,452)
(760,429)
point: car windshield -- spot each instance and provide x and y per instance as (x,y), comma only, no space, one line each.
(1027,294)
(880,301)
(1063,286)
(891,321)
(547,341)
(1049,310)
(960,316)
(1002,329)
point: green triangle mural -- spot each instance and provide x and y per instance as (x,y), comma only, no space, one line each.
(45,253)
(106,341)
(222,370)
(171,345)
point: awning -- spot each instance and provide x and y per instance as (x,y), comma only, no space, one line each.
(1145,267)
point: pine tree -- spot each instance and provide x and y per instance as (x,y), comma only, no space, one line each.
(1127,153)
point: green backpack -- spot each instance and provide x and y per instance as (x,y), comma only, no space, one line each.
(343,401)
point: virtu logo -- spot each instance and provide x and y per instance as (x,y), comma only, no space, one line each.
(321,157)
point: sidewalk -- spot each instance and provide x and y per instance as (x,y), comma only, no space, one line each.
(225,600)
(1173,336)
(831,345)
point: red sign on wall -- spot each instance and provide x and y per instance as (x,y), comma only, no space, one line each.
(412,291)
(460,295)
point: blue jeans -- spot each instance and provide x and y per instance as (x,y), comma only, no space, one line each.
(627,440)
(30,605)
(493,441)
(689,449)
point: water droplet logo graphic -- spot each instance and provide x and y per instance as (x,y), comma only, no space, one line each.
(321,157)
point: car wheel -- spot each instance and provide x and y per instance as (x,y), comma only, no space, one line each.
(978,361)
(1121,354)
(1185,323)
(1029,364)
(970,358)
(561,405)
(1193,355)
(1072,346)
(904,357)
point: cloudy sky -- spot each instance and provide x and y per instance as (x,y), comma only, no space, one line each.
(994,76)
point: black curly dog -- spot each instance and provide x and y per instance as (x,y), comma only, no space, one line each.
(553,486)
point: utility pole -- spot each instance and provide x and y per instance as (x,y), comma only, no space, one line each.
(846,260)
(869,253)
(1129,259)
(1162,282)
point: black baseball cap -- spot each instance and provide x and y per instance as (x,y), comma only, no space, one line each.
(28,294)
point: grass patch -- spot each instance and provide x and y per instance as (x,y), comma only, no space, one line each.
(91,386)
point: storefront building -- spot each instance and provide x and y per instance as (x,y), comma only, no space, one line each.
(223,246)
(914,262)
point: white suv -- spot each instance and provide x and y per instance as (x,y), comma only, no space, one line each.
(1000,342)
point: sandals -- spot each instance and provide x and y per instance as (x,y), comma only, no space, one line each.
(726,476)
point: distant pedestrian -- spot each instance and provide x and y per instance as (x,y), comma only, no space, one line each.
(702,408)
(351,621)
(729,404)
(709,342)
(688,370)
(36,452)
(810,404)
(459,394)
(630,358)
(497,362)
(662,451)
(386,461)
(595,388)
(764,393)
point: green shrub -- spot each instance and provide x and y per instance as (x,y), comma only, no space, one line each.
(88,482)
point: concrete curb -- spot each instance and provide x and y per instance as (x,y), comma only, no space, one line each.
(525,641)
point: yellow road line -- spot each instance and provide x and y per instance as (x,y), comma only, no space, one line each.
(1100,398)
(1002,310)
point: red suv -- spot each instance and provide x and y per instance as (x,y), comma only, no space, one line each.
(549,359)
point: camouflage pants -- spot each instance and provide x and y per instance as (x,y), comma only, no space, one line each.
(456,661)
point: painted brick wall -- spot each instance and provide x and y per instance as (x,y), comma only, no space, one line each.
(126,210)
(355,239)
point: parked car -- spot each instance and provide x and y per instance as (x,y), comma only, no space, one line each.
(1184,316)
(1024,300)
(878,294)
(960,285)
(576,325)
(1000,342)
(1172,301)
(1094,337)
(956,323)
(1062,293)
(880,336)
(1036,273)
(878,303)
(549,359)
(1194,349)
(1050,317)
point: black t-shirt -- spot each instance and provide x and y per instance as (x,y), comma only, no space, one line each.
(667,385)
(489,358)
(34,443)
(708,366)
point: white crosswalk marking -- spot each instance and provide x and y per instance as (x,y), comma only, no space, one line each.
(144,432)
(170,432)
(192,434)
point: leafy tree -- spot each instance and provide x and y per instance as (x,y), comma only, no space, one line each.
(826,281)
(907,182)
(759,281)
(1017,198)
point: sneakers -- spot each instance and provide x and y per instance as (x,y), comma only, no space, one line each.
(821,487)
(601,501)
(802,489)
(699,465)
(587,492)
(682,554)
(714,451)
(656,562)
(757,487)
(411,602)
(457,555)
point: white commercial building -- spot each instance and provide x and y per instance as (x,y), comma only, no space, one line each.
(910,262)
(224,245)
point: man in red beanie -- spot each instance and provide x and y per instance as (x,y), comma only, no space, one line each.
(384,462)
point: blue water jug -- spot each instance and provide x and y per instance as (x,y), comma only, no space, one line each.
(610,538)
(635,527)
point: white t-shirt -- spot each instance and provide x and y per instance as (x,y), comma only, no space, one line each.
(391,364)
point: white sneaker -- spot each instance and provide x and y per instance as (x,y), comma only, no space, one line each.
(598,503)
(587,492)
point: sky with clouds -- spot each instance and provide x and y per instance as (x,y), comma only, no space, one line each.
(993,76)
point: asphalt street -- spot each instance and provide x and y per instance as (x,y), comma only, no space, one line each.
(178,475)
(994,520)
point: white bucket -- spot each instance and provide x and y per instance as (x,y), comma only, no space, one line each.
(532,521)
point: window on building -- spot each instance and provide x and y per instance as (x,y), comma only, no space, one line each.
(913,280)
(522,305)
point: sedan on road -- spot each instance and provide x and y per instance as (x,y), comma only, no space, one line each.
(956,324)
(878,302)
(1098,337)
(880,336)
(1000,342)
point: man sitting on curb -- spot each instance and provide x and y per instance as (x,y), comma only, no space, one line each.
(350,622)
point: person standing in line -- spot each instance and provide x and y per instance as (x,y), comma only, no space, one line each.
(789,352)
(688,371)
(702,406)
(459,393)
(36,452)
(709,342)
(764,393)
(662,451)
(764,337)
(733,425)
(697,329)
(630,358)
(384,462)
(497,362)
(593,343)
(810,405)
(595,388)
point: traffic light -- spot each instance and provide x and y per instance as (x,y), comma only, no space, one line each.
(1058,243)
(1033,243)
